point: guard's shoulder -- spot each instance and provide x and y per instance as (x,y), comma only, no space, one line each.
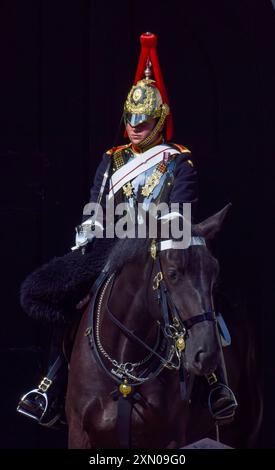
(181,148)
(114,150)
(185,151)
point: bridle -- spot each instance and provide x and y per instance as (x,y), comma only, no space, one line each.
(172,331)
(173,326)
(167,352)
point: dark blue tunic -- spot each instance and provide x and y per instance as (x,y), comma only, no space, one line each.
(184,187)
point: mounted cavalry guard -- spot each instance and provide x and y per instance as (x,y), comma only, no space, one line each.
(149,169)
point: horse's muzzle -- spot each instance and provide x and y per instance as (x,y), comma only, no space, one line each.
(203,363)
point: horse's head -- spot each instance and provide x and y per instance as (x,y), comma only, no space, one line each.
(190,275)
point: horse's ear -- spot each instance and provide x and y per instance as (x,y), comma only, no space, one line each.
(212,225)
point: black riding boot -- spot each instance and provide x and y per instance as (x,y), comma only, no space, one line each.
(45,404)
(221,400)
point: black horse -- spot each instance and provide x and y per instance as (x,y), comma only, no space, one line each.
(150,325)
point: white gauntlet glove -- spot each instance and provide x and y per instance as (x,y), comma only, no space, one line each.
(86,232)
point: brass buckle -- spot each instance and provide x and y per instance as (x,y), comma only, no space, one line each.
(176,322)
(157,279)
(153,249)
(45,384)
(88,331)
(211,379)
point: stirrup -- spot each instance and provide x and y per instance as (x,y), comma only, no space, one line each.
(226,412)
(34,404)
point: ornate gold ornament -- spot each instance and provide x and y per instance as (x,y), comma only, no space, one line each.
(153,180)
(137,95)
(128,189)
(125,389)
(153,249)
(180,343)
(144,98)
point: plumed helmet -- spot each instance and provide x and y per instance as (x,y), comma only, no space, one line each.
(147,97)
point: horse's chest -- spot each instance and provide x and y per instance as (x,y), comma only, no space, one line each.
(104,413)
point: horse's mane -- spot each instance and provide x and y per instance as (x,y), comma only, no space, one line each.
(127,250)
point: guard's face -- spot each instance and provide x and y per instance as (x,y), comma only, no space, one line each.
(138,133)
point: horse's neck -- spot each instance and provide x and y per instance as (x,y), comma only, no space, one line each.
(129,304)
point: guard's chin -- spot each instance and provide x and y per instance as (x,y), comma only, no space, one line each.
(136,140)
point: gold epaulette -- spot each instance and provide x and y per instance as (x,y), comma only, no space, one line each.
(181,148)
(117,149)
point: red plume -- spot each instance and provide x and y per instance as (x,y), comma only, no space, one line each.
(148,43)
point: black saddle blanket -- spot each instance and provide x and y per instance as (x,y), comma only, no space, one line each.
(52,291)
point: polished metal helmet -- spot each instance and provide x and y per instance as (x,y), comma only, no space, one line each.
(143,102)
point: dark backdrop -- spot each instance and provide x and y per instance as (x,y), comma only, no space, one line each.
(65,70)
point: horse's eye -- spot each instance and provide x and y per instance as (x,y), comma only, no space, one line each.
(172,274)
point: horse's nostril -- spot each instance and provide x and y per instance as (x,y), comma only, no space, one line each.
(198,354)
(205,360)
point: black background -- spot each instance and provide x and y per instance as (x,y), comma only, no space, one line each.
(65,70)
